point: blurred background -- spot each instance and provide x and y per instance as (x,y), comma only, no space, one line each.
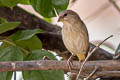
(101,17)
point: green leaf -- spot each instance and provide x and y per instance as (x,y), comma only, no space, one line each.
(6,43)
(46,7)
(8,26)
(12,3)
(30,44)
(39,54)
(24,1)
(26,42)
(11,53)
(2,20)
(1,5)
(42,74)
(6,75)
(25,34)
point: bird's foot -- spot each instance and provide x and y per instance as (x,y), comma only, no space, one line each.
(69,63)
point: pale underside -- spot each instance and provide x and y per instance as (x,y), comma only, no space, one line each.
(75,38)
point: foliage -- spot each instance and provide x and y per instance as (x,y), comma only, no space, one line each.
(24,44)
(44,7)
(8,26)
(45,75)
(2,20)
(48,11)
(12,3)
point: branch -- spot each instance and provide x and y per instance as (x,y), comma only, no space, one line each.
(90,52)
(115,5)
(93,73)
(51,40)
(104,70)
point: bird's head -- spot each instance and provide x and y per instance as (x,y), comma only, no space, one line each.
(68,16)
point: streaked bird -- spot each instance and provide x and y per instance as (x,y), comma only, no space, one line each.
(74,34)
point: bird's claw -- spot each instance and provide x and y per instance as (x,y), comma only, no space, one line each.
(69,63)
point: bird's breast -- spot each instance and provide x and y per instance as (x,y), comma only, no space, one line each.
(75,39)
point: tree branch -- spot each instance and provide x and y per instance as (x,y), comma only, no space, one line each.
(90,52)
(103,71)
(51,40)
(115,5)
(93,73)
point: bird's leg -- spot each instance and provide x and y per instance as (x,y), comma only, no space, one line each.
(69,62)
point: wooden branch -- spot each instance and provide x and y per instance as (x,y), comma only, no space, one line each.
(115,5)
(90,52)
(51,40)
(92,74)
(55,40)
(107,67)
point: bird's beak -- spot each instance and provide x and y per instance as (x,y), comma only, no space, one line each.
(60,19)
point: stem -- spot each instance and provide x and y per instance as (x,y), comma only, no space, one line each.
(13,44)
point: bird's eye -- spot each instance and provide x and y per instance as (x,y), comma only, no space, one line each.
(65,14)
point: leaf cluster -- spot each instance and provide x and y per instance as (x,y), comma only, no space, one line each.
(24,45)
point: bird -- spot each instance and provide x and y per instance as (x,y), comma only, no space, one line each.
(74,35)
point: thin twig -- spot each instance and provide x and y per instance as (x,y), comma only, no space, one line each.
(89,54)
(94,71)
(56,13)
(13,44)
(6,41)
(115,5)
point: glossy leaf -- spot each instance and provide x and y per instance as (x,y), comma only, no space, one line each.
(24,1)
(25,34)
(11,53)
(2,20)
(8,26)
(1,4)
(46,7)
(33,43)
(26,42)
(42,75)
(7,42)
(12,3)
(6,75)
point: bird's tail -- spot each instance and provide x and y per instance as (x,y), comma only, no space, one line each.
(81,56)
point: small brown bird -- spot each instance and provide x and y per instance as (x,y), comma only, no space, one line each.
(74,34)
